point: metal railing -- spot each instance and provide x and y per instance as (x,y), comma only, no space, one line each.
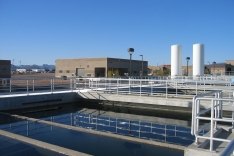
(18,86)
(214,115)
(152,87)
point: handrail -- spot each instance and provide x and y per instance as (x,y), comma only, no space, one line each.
(216,115)
(151,87)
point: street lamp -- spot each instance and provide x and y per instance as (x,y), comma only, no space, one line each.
(142,69)
(214,63)
(130,51)
(187,59)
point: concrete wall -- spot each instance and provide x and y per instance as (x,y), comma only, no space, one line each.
(26,101)
(186,103)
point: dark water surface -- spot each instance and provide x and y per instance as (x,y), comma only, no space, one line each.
(82,142)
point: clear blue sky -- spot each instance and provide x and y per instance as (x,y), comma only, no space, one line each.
(41,31)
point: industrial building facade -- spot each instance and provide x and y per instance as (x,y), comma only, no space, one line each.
(5,69)
(5,72)
(99,67)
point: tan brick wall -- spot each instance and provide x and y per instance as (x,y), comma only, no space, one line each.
(70,65)
(67,67)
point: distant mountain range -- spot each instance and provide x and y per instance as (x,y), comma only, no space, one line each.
(46,67)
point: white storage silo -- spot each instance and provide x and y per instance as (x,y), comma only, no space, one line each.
(198,60)
(176,61)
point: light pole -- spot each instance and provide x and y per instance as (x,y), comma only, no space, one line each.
(187,59)
(142,66)
(130,51)
(214,63)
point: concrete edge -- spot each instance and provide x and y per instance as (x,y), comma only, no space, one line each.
(42,144)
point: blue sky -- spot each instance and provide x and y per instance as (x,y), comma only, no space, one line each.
(41,31)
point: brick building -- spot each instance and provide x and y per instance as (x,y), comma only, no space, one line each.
(99,67)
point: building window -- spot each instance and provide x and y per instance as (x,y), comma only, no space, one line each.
(60,71)
(67,71)
(87,66)
(88,75)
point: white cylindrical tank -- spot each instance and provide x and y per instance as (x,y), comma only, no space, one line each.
(176,61)
(198,60)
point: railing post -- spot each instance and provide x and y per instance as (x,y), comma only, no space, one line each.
(74,83)
(71,86)
(105,84)
(129,85)
(86,84)
(33,85)
(230,90)
(197,112)
(27,86)
(212,125)
(204,84)
(215,112)
(193,115)
(151,88)
(51,85)
(117,86)
(196,87)
(109,84)
(166,89)
(140,86)
(10,85)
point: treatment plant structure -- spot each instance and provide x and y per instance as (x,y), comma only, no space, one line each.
(208,100)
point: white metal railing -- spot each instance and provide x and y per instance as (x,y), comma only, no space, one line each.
(17,86)
(160,86)
(169,87)
(215,109)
